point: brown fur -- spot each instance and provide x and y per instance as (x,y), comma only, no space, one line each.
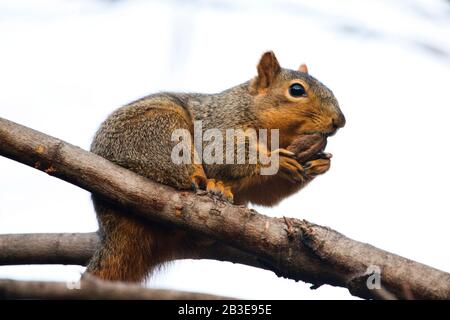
(138,137)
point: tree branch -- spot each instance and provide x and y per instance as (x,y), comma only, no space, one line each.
(47,248)
(92,288)
(291,248)
(77,249)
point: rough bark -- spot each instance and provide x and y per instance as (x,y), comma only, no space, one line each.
(291,248)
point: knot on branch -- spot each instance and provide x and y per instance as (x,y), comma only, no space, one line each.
(310,240)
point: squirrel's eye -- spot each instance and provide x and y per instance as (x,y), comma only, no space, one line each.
(297,90)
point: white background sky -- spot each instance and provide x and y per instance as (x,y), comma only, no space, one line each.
(65,65)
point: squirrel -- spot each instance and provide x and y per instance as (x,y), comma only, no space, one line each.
(138,136)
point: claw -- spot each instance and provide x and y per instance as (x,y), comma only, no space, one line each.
(284,152)
(220,190)
(198,182)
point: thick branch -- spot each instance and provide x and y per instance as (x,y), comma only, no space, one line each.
(92,288)
(291,248)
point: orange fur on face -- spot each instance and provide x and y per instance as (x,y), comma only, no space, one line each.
(294,116)
(317,112)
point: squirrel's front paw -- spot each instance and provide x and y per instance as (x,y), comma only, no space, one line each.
(316,167)
(289,168)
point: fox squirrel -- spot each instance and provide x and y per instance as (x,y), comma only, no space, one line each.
(138,137)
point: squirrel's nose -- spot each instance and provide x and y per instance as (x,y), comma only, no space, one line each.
(338,121)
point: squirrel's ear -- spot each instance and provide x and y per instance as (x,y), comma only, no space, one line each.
(303,68)
(268,68)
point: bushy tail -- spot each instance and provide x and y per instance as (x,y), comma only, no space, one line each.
(130,248)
